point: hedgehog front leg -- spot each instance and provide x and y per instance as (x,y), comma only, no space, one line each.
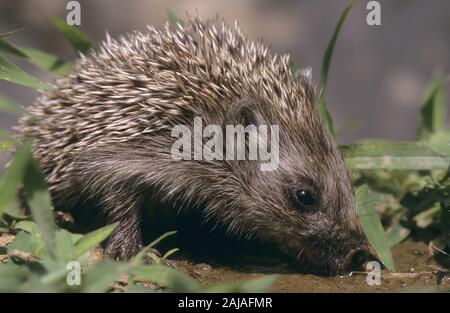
(107,180)
(126,239)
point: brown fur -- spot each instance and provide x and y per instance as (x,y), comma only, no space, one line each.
(104,136)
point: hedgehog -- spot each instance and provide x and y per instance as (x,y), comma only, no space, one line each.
(103,139)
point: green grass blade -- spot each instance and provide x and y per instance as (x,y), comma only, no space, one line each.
(325,68)
(92,239)
(174,20)
(328,55)
(10,49)
(445,220)
(48,62)
(39,201)
(78,41)
(434,109)
(11,33)
(8,106)
(400,155)
(13,177)
(396,234)
(101,277)
(43,60)
(326,117)
(372,227)
(13,74)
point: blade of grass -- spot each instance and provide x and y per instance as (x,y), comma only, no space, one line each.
(92,239)
(397,234)
(101,277)
(78,41)
(13,74)
(43,60)
(47,61)
(402,155)
(39,201)
(11,33)
(325,68)
(174,20)
(434,109)
(445,221)
(13,176)
(8,106)
(372,227)
(10,49)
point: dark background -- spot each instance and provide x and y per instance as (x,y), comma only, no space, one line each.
(378,73)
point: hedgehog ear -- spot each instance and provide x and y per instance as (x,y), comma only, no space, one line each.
(246,118)
(244,112)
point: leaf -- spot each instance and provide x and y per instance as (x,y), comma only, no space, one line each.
(40,204)
(13,176)
(43,60)
(326,116)
(21,242)
(426,217)
(11,33)
(138,257)
(396,234)
(325,68)
(29,241)
(92,239)
(6,141)
(17,278)
(101,278)
(445,220)
(261,284)
(372,227)
(10,49)
(78,41)
(400,155)
(13,74)
(8,106)
(25,226)
(169,253)
(161,238)
(434,109)
(48,62)
(174,20)
(65,248)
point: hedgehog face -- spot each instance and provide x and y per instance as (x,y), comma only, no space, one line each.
(310,212)
(320,199)
(306,206)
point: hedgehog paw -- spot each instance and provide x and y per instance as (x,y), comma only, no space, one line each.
(122,246)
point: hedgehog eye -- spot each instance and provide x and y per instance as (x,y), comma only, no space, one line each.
(303,198)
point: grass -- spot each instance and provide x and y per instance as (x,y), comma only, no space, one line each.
(401,188)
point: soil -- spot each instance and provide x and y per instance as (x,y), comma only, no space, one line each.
(416,272)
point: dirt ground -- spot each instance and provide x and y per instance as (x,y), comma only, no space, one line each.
(416,272)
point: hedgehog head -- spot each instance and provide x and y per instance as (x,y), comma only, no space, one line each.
(306,204)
